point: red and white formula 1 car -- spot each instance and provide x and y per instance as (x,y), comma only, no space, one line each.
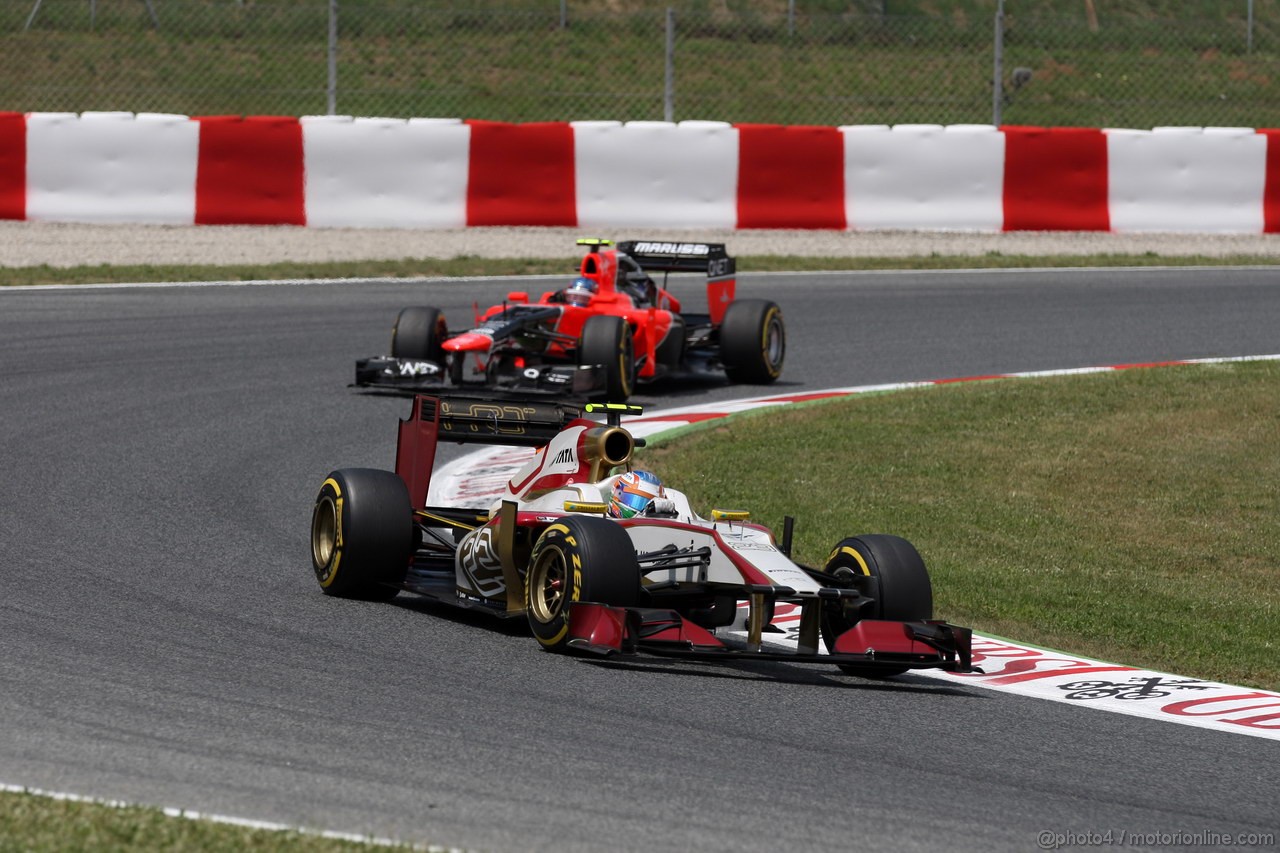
(663,580)
(599,335)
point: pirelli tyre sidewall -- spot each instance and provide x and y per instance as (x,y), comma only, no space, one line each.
(578,558)
(899,582)
(753,341)
(419,333)
(607,341)
(362,533)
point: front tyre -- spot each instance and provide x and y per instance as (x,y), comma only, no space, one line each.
(606,341)
(578,558)
(362,534)
(753,341)
(895,575)
(419,333)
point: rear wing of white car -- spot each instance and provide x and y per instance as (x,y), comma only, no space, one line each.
(517,422)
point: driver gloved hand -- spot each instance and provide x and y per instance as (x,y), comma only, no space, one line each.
(661,506)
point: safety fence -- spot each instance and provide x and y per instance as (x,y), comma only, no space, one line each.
(763,62)
(423,173)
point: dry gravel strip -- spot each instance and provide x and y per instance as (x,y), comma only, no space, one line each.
(25,244)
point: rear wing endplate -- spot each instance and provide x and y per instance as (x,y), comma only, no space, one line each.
(471,420)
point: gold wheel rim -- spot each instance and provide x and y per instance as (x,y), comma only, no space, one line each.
(546,585)
(324,531)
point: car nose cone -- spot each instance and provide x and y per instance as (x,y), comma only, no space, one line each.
(468,342)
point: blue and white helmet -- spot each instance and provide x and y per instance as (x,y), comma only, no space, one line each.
(633,493)
(580,292)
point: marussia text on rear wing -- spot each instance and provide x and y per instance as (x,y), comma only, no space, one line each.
(667,256)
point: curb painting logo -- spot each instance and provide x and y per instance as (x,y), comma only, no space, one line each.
(1138,687)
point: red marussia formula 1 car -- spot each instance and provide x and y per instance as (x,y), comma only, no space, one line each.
(662,580)
(615,327)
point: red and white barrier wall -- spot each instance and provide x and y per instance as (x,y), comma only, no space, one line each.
(330,171)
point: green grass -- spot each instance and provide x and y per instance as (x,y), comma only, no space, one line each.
(471,266)
(1128,516)
(30,823)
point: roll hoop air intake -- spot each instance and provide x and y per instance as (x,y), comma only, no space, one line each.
(605,448)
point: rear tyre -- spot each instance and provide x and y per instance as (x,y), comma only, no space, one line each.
(578,559)
(419,333)
(606,340)
(899,582)
(753,341)
(362,534)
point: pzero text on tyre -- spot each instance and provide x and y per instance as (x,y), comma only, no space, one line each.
(606,340)
(578,558)
(362,533)
(753,341)
(897,579)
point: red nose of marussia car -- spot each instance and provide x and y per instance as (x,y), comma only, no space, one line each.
(468,342)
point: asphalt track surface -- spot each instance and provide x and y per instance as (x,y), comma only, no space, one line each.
(164,642)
